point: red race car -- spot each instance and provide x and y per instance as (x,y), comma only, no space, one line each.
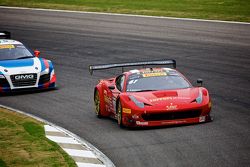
(150,96)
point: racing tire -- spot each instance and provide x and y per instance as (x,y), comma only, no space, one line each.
(97,102)
(119,115)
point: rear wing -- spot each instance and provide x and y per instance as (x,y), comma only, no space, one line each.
(5,35)
(143,63)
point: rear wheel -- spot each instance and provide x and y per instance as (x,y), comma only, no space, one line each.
(119,114)
(97,104)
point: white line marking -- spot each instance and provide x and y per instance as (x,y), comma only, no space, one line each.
(80,164)
(129,15)
(67,140)
(80,153)
(49,128)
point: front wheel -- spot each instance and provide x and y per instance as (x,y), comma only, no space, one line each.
(97,104)
(119,114)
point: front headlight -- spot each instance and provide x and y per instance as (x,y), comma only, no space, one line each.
(137,103)
(2,76)
(199,98)
(46,71)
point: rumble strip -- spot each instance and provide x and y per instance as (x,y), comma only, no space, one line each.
(82,152)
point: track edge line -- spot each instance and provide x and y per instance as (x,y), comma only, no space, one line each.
(127,15)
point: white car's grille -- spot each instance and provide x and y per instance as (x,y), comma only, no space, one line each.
(20,80)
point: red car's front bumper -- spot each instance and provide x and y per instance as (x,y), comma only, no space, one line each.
(167,118)
(200,119)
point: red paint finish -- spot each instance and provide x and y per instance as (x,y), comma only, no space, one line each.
(161,107)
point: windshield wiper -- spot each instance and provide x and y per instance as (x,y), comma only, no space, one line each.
(25,57)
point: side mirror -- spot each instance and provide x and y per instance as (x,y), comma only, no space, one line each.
(37,53)
(111,87)
(199,82)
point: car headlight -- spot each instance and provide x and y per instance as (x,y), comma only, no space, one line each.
(137,103)
(199,98)
(2,76)
(46,71)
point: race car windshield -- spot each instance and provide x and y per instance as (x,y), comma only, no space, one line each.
(154,83)
(12,52)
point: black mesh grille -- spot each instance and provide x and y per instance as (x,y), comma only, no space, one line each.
(23,80)
(44,78)
(172,115)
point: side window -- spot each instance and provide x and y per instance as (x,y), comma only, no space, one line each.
(120,82)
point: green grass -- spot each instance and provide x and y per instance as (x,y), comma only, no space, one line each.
(234,10)
(23,143)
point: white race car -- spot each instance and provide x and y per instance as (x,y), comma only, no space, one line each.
(22,69)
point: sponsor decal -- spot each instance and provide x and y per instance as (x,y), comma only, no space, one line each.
(24,77)
(141,123)
(7,46)
(169,98)
(161,99)
(154,74)
(132,81)
(210,104)
(114,103)
(202,119)
(173,122)
(126,110)
(148,70)
(107,99)
(20,46)
(171,107)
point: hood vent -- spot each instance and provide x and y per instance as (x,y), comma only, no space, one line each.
(165,94)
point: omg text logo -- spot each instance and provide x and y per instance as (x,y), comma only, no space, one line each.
(24,77)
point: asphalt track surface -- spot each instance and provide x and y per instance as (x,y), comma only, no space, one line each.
(217,52)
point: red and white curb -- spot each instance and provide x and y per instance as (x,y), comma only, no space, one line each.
(82,152)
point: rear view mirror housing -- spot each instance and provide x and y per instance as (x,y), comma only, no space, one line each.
(37,53)
(199,82)
(111,87)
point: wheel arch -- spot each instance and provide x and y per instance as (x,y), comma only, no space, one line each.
(102,102)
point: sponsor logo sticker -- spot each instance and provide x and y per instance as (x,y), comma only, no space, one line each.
(141,123)
(126,110)
(24,77)
(156,74)
(202,119)
(171,107)
(168,98)
(7,46)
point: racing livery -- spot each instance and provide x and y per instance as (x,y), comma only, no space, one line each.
(21,69)
(151,96)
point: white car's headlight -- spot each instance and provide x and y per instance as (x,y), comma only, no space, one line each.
(46,71)
(2,76)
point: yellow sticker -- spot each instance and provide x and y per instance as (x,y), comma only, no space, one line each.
(126,110)
(210,104)
(156,74)
(7,46)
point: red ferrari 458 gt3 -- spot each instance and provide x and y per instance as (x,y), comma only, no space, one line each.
(150,96)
